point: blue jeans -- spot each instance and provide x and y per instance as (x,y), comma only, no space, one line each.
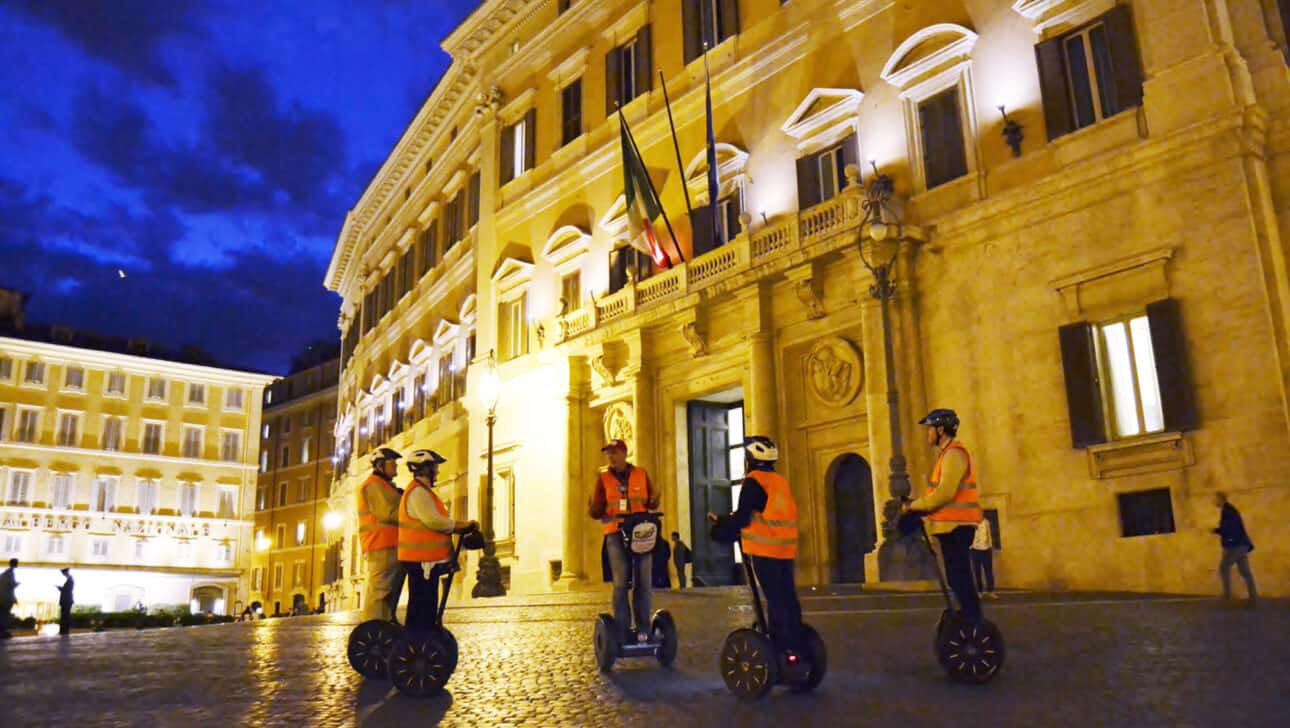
(619,564)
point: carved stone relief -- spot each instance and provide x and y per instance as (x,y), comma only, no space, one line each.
(835,370)
(698,347)
(810,298)
(620,420)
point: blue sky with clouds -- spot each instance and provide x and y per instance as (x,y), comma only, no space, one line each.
(208,148)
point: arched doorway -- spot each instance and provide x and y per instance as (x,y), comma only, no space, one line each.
(207,600)
(855,531)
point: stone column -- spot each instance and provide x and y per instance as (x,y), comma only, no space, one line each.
(760,400)
(572,567)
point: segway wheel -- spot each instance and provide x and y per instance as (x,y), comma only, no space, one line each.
(369,647)
(421,664)
(606,642)
(450,644)
(748,664)
(969,652)
(818,656)
(664,629)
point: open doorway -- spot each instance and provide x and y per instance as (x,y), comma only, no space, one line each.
(855,531)
(715,437)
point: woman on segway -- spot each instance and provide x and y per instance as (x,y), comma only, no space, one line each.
(624,488)
(425,537)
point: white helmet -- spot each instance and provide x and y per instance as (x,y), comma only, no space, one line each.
(762,448)
(381,455)
(423,460)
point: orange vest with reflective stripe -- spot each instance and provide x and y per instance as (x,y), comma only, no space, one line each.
(372,534)
(417,542)
(637,495)
(773,531)
(965,506)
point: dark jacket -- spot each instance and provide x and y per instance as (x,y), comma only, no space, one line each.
(1231,529)
(681,553)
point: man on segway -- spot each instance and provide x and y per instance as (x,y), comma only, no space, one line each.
(624,488)
(378,534)
(425,537)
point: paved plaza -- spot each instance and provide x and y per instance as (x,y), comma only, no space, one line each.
(1073,660)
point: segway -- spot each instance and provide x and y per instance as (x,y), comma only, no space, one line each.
(970,652)
(639,532)
(751,664)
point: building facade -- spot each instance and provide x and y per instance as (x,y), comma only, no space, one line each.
(290,568)
(1070,180)
(135,471)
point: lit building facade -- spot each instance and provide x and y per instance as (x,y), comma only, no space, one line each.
(136,472)
(1073,179)
(290,567)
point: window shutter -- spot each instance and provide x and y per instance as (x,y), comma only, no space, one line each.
(944,152)
(691,25)
(1169,346)
(1058,116)
(618,268)
(808,182)
(701,230)
(929,127)
(729,19)
(732,215)
(613,72)
(644,63)
(474,198)
(1083,393)
(508,154)
(1124,57)
(850,155)
(530,139)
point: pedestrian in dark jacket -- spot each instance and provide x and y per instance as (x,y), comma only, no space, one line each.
(1236,545)
(680,557)
(65,604)
(662,554)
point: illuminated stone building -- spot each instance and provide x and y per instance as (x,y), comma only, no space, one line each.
(1085,245)
(134,468)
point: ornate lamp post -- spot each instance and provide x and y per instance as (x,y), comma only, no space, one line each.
(488,581)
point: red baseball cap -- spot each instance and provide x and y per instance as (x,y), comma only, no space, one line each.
(614,445)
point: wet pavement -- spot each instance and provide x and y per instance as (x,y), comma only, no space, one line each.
(1072,660)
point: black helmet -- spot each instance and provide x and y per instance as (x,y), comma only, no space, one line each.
(946,418)
(383,454)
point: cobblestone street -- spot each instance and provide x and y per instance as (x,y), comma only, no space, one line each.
(1073,660)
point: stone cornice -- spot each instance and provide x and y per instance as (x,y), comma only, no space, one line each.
(60,354)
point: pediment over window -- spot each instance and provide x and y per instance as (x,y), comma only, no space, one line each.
(732,163)
(615,220)
(444,332)
(566,245)
(511,274)
(420,351)
(824,116)
(378,385)
(1060,15)
(467,311)
(397,368)
(928,52)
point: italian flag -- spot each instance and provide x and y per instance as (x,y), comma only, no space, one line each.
(642,202)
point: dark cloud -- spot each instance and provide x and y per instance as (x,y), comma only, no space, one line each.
(124,33)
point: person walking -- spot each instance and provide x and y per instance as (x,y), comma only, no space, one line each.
(622,489)
(661,554)
(983,560)
(378,534)
(8,597)
(1236,546)
(680,557)
(65,603)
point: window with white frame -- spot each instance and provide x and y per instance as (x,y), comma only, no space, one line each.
(571,289)
(264,431)
(227,502)
(517,147)
(113,432)
(28,425)
(1132,391)
(264,461)
(298,573)
(512,328)
(302,490)
(257,579)
(153,435)
(196,393)
(115,385)
(282,536)
(187,499)
(12,544)
(300,533)
(69,427)
(231,447)
(74,379)
(34,373)
(233,399)
(282,494)
(156,388)
(56,545)
(99,548)
(103,494)
(146,497)
(305,443)
(277,576)
(501,509)
(62,491)
(19,488)
(192,441)
(6,368)
(284,456)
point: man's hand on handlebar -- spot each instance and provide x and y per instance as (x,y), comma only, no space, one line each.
(465,527)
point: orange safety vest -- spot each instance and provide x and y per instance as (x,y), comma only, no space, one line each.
(965,506)
(416,541)
(637,495)
(773,530)
(373,534)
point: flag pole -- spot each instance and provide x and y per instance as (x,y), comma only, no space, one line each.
(676,145)
(650,183)
(714,182)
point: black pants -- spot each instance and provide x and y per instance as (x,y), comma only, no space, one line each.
(423,596)
(956,546)
(65,619)
(785,612)
(983,569)
(680,574)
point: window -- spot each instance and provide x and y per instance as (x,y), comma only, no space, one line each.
(284,458)
(711,232)
(230,450)
(156,388)
(146,497)
(34,373)
(141,549)
(627,263)
(1146,512)
(628,70)
(562,6)
(307,418)
(282,535)
(472,210)
(513,328)
(571,290)
(56,546)
(708,21)
(103,494)
(305,443)
(298,573)
(74,378)
(233,398)
(261,498)
(277,576)
(1129,374)
(822,175)
(6,368)
(264,461)
(941,127)
(571,112)
(62,499)
(19,488)
(282,494)
(517,146)
(1090,74)
(192,442)
(302,490)
(99,548)
(286,424)
(187,499)
(113,432)
(428,248)
(300,533)
(12,544)
(452,219)
(257,579)
(185,551)
(227,503)
(224,552)
(68,428)
(152,437)
(265,431)
(28,426)
(115,384)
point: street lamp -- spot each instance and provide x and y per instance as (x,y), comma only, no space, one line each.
(262,542)
(488,582)
(331,520)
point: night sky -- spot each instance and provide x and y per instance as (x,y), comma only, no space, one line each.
(207,149)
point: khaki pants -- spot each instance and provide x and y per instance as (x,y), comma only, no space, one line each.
(384,584)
